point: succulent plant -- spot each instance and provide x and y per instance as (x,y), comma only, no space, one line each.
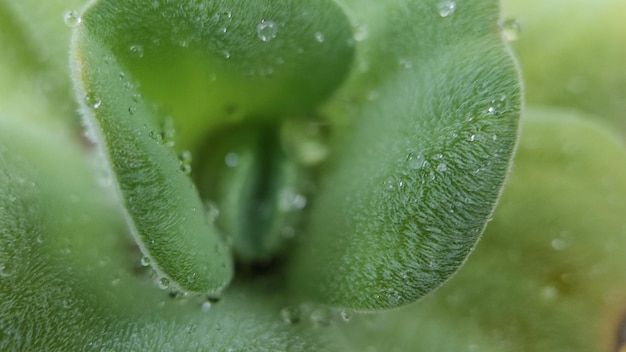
(298,175)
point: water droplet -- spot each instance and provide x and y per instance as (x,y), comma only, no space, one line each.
(446,8)
(206,306)
(231,159)
(290,315)
(498,106)
(211,210)
(6,270)
(156,136)
(442,167)
(226,54)
(185,157)
(72,19)
(164,283)
(289,200)
(321,317)
(145,261)
(132,110)
(393,297)
(472,137)
(549,293)
(416,161)
(511,29)
(168,135)
(319,37)
(406,64)
(346,315)
(481,89)
(360,33)
(558,244)
(185,168)
(227,14)
(266,30)
(93,101)
(136,51)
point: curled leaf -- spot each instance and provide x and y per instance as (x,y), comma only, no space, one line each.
(418,169)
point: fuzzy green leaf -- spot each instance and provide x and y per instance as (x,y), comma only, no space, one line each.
(548,274)
(161,204)
(420,162)
(69,279)
(223,61)
(213,62)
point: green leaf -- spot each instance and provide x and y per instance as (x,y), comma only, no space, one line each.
(572,55)
(418,166)
(70,279)
(33,62)
(161,203)
(218,58)
(227,60)
(548,273)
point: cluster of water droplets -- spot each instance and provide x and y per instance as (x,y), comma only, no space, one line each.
(318,316)
(289,200)
(185,159)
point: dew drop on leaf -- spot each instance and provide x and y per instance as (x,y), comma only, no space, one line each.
(558,244)
(145,261)
(231,159)
(211,210)
(511,29)
(72,19)
(346,315)
(416,161)
(320,317)
(136,51)
(164,283)
(446,8)
(266,30)
(185,168)
(360,33)
(289,200)
(206,306)
(319,37)
(6,270)
(549,293)
(185,157)
(93,101)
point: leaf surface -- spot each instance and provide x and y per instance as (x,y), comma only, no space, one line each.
(70,279)
(548,274)
(426,133)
